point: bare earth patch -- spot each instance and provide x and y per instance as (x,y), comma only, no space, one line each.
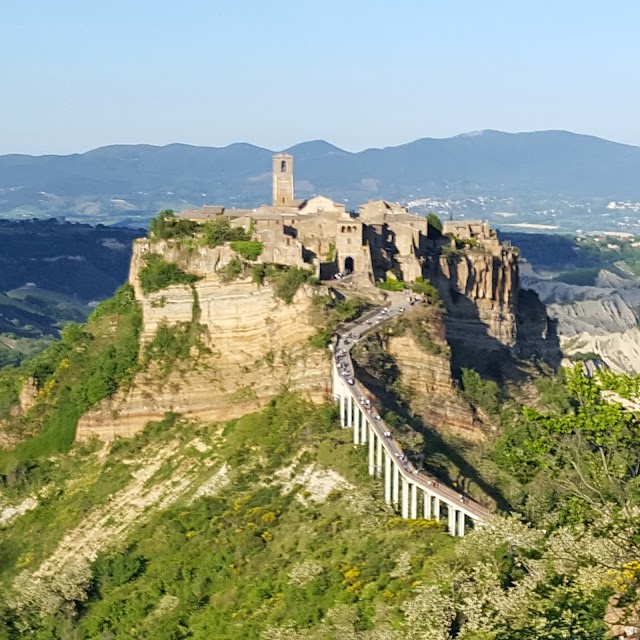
(318,482)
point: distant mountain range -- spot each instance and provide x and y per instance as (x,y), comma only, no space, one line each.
(556,178)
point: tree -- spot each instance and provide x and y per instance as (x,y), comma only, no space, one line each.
(434,222)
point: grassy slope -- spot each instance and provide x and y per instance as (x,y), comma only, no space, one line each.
(72,374)
(223,562)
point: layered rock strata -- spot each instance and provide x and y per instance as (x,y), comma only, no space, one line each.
(253,345)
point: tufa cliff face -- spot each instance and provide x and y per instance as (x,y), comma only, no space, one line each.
(410,360)
(251,346)
(488,316)
(480,292)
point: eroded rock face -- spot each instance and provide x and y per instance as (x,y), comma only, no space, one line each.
(395,360)
(257,346)
(488,316)
(480,292)
(28,394)
(435,399)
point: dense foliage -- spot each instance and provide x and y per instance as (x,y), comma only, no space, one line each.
(285,280)
(248,249)
(391,284)
(158,274)
(423,287)
(265,556)
(167,225)
(588,452)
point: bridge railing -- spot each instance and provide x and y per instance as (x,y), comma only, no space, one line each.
(473,509)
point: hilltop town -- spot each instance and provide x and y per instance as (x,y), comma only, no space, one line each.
(378,239)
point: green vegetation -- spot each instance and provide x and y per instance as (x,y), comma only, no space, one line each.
(434,221)
(217,232)
(331,254)
(484,393)
(391,284)
(287,280)
(174,343)
(328,312)
(253,560)
(580,277)
(451,250)
(248,249)
(585,356)
(232,270)
(158,274)
(423,287)
(166,225)
(88,364)
(585,450)
(212,233)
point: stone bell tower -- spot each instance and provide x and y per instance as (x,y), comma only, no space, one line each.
(282,179)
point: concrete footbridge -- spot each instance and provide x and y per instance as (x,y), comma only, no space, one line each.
(407,488)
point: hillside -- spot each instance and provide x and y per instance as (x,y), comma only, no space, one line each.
(550,177)
(235,505)
(54,273)
(591,288)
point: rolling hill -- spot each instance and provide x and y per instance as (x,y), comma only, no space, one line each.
(557,176)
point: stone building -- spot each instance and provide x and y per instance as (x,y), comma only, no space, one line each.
(380,239)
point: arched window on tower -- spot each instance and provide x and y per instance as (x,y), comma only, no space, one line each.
(283,166)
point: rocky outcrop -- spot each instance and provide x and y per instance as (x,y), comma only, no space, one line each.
(435,398)
(28,394)
(480,291)
(623,621)
(410,358)
(253,345)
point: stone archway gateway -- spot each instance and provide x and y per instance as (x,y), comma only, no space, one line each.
(348,264)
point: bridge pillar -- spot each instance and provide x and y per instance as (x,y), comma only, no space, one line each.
(451,518)
(405,497)
(343,411)
(378,455)
(436,508)
(396,484)
(356,422)
(414,502)
(460,523)
(363,428)
(349,409)
(426,506)
(372,444)
(387,477)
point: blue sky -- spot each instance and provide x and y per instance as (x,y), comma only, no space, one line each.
(77,74)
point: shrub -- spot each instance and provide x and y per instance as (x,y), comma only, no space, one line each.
(88,364)
(232,270)
(286,281)
(248,249)
(485,393)
(158,274)
(166,225)
(423,287)
(217,232)
(258,274)
(391,285)
(435,222)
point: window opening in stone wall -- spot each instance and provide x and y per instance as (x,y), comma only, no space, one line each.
(283,166)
